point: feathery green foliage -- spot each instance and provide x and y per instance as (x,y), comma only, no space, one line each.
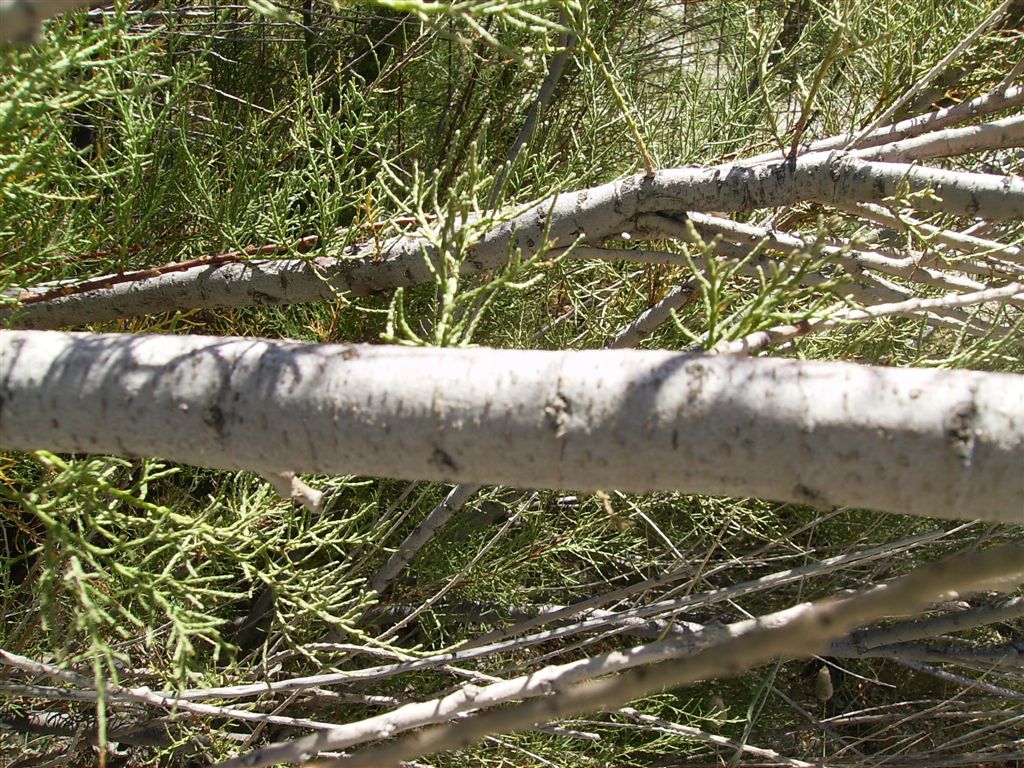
(168,130)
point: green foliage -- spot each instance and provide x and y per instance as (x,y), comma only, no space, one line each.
(133,140)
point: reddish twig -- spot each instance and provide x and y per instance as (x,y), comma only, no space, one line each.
(302,245)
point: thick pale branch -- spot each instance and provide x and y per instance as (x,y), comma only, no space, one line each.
(592,215)
(926,442)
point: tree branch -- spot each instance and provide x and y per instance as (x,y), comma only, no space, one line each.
(805,631)
(926,442)
(1006,97)
(593,215)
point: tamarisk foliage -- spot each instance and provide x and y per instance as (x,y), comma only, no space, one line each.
(701,323)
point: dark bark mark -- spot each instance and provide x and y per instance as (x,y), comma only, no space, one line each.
(443,459)
(810,496)
(214,418)
(557,413)
(961,431)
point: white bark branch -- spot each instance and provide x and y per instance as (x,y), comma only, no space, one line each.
(542,682)
(997,254)
(143,695)
(925,442)
(805,630)
(594,215)
(868,288)
(934,626)
(1005,98)
(467,698)
(912,307)
(936,69)
(1000,134)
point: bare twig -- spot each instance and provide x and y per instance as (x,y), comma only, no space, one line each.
(423,532)
(910,308)
(965,43)
(966,682)
(145,696)
(807,631)
(997,254)
(566,42)
(288,486)
(667,726)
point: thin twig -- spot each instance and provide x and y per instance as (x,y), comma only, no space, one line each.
(924,80)
(415,541)
(806,632)
(911,308)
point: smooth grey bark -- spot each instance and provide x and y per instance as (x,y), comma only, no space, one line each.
(591,215)
(925,442)
(951,142)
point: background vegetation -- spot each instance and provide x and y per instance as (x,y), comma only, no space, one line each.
(160,131)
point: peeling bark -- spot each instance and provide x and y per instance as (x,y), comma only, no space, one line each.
(925,442)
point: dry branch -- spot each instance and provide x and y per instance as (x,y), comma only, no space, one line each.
(535,684)
(539,683)
(1004,98)
(947,623)
(910,308)
(498,642)
(1000,134)
(592,215)
(423,532)
(925,442)
(805,630)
